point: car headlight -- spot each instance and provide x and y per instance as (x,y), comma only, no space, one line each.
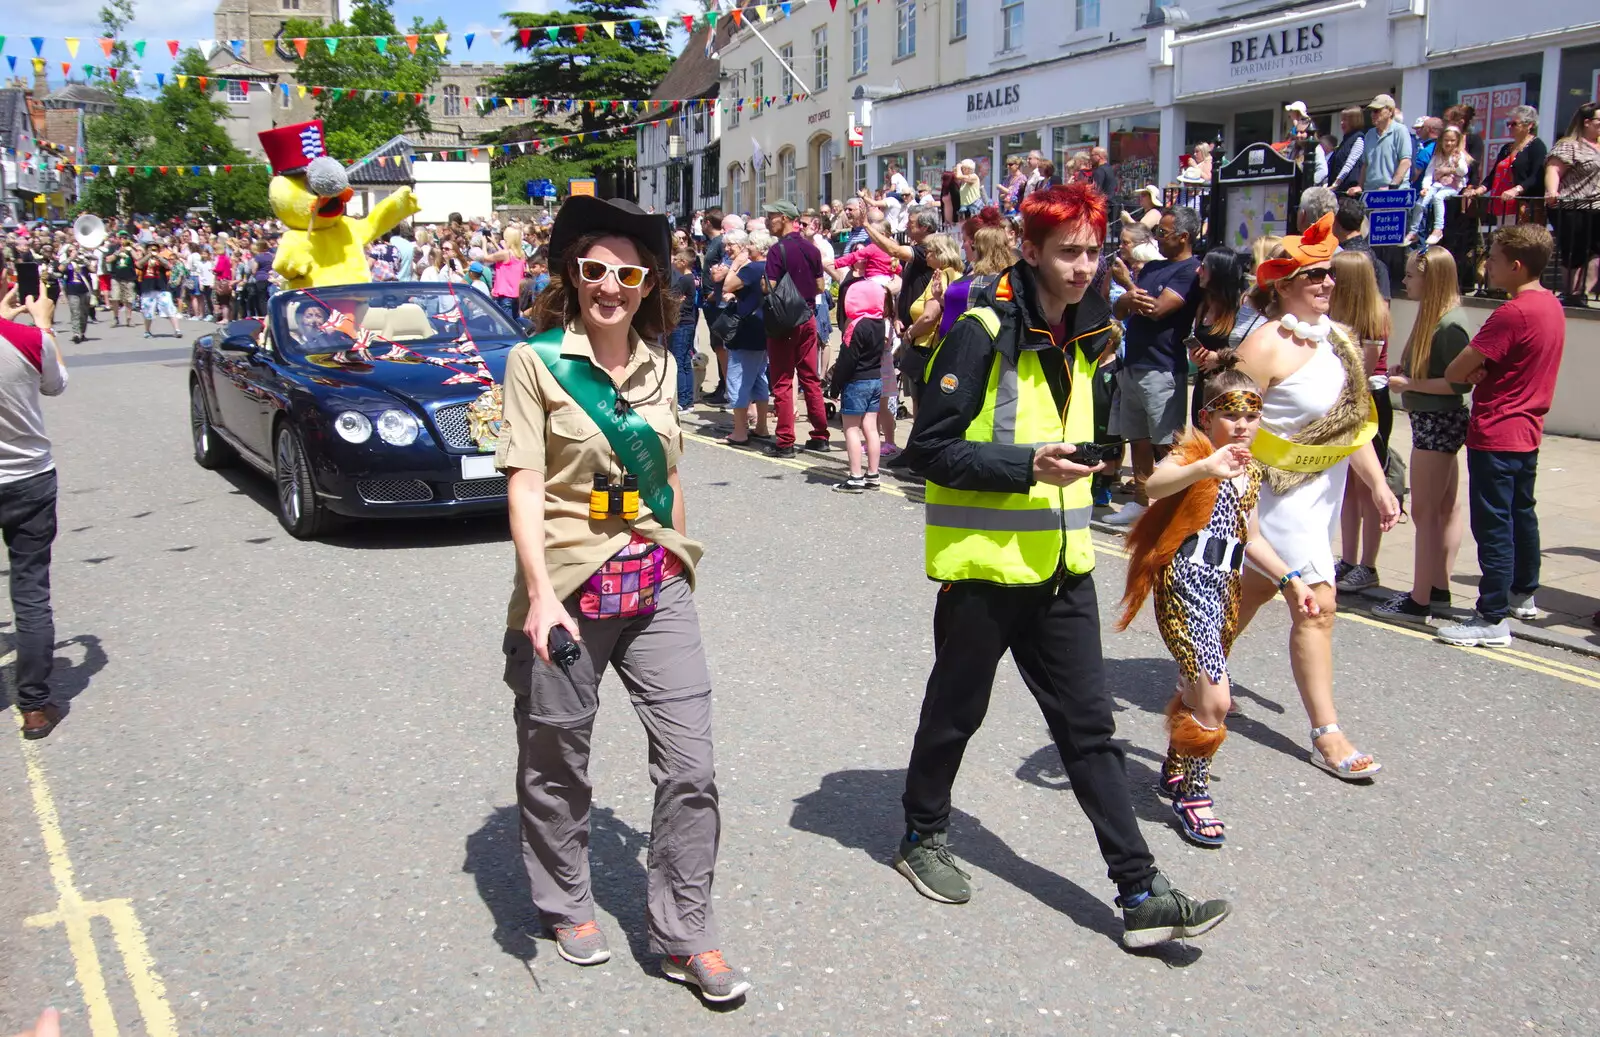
(353,427)
(397,428)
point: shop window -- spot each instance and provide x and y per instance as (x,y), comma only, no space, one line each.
(1020,145)
(1580,82)
(1010,26)
(1088,15)
(1072,139)
(1135,151)
(1493,88)
(1252,128)
(858,41)
(981,151)
(819,59)
(758,86)
(958,20)
(786,52)
(905,28)
(452,100)
(897,159)
(929,166)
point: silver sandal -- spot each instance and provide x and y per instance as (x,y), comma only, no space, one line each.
(1344,769)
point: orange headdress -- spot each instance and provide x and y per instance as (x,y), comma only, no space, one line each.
(1316,245)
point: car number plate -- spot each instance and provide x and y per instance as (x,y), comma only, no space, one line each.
(479,467)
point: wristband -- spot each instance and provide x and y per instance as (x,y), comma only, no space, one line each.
(1290,575)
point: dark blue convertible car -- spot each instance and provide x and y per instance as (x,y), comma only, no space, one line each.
(359,401)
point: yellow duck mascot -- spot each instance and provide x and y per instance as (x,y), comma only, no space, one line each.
(322,245)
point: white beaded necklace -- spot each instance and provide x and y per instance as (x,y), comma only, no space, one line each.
(1308,331)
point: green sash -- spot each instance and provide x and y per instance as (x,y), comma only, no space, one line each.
(635,442)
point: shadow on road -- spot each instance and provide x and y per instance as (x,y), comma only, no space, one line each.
(861,809)
(617,876)
(68,679)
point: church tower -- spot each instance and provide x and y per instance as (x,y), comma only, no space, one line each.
(257,21)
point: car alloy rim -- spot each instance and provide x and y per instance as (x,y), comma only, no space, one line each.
(288,477)
(197,421)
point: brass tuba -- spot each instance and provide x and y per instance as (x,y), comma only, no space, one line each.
(89,230)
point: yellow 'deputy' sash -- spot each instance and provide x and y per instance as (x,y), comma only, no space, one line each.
(1276,452)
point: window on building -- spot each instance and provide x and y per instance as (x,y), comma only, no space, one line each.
(482,95)
(291,5)
(786,52)
(736,188)
(824,171)
(819,59)
(758,85)
(905,28)
(238,91)
(759,174)
(787,177)
(733,114)
(283,98)
(958,20)
(710,159)
(1088,14)
(858,178)
(452,100)
(858,41)
(1010,25)
(674,185)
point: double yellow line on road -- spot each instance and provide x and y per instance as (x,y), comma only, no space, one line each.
(76,915)
(1510,656)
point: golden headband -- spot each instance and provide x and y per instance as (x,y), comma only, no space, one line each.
(1234,401)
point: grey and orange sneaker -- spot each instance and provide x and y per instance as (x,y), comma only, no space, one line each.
(708,971)
(582,944)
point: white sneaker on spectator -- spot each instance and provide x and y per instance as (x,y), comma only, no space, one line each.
(1523,607)
(1127,516)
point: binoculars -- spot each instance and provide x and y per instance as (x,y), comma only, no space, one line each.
(618,499)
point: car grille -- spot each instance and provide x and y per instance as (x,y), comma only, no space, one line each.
(474,489)
(393,491)
(454,428)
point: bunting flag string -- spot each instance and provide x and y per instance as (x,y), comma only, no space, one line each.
(527,106)
(522,37)
(465,153)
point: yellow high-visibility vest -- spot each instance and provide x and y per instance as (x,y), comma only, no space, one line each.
(1017,539)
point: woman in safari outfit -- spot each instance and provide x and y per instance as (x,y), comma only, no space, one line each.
(614,571)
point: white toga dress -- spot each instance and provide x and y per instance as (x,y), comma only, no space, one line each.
(1300,525)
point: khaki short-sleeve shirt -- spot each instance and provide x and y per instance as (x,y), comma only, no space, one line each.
(546,431)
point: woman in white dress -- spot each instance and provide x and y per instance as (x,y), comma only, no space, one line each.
(1315,429)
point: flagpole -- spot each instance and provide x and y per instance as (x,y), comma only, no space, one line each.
(804,88)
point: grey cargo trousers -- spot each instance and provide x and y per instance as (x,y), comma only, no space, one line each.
(662,664)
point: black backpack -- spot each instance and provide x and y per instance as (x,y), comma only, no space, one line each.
(784,307)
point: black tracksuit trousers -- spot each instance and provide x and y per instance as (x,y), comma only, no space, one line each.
(1053,634)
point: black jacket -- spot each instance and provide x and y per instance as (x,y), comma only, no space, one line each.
(955,389)
(1527,169)
(1336,162)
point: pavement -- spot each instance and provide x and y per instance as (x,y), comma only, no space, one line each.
(1569,595)
(282,802)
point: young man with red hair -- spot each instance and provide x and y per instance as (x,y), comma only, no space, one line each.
(998,436)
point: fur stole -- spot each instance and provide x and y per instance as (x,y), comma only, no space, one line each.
(1155,538)
(1343,420)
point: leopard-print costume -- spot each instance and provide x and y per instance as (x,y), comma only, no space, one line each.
(1185,777)
(1197,607)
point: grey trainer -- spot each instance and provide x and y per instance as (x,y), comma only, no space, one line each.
(926,860)
(1524,607)
(1476,632)
(708,971)
(582,944)
(1168,913)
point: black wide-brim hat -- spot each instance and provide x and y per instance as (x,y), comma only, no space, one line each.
(585,214)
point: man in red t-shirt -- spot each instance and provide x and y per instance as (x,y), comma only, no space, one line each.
(1512,361)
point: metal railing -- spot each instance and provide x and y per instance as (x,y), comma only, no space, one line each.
(1470,223)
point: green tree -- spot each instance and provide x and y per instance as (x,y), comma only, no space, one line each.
(356,125)
(181,126)
(598,68)
(116,16)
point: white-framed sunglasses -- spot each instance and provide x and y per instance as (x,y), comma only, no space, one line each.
(594,271)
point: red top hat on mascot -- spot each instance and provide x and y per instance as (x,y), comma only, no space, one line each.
(290,149)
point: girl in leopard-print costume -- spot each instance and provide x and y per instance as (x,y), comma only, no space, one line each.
(1187,551)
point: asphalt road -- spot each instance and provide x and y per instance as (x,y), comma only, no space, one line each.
(287,774)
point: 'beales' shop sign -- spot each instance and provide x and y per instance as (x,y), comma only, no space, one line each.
(1295,48)
(1000,100)
(1292,51)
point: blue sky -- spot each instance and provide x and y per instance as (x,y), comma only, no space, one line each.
(191,20)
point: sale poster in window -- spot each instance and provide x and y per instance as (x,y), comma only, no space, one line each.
(1493,105)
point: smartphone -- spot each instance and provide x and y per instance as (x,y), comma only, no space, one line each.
(27,281)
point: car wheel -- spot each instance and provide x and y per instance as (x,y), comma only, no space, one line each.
(299,511)
(209,450)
